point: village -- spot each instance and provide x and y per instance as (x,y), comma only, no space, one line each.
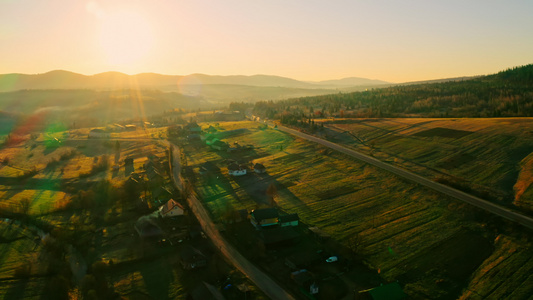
(303,257)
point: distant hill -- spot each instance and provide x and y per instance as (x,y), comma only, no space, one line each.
(60,79)
(351,81)
(90,107)
(506,94)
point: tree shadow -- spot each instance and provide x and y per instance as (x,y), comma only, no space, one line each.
(256,184)
(157,277)
(16,291)
(128,169)
(216,180)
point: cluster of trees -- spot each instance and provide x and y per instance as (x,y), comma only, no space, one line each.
(506,94)
(300,120)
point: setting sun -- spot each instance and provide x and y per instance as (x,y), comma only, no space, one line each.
(125,38)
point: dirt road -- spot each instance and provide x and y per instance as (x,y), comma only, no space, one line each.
(478,202)
(260,279)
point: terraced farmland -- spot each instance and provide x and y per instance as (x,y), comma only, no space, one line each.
(489,155)
(428,242)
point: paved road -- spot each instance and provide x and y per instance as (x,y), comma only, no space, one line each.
(484,204)
(260,279)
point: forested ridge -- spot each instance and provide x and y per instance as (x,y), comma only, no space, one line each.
(506,94)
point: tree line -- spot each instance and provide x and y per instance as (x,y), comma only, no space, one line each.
(506,94)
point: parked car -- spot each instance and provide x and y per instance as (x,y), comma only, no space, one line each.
(332,259)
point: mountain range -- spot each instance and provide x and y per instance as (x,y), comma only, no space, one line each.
(60,79)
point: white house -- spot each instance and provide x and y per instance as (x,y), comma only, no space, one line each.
(236,170)
(99,133)
(171,209)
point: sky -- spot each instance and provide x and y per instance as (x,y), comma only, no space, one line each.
(396,41)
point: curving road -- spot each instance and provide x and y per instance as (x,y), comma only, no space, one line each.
(478,202)
(260,279)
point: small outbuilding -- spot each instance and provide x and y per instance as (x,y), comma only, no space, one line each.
(259,168)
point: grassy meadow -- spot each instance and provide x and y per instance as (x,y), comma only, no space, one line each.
(432,244)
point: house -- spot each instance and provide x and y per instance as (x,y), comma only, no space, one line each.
(205,291)
(147,227)
(264,217)
(236,170)
(192,128)
(98,133)
(289,220)
(130,127)
(259,168)
(192,258)
(171,209)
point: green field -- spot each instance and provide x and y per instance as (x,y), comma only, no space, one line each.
(429,242)
(44,199)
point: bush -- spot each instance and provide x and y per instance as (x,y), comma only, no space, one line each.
(68,155)
(52,164)
(28,173)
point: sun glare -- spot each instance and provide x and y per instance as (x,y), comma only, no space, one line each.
(125,38)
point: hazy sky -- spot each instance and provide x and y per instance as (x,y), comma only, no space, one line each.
(392,40)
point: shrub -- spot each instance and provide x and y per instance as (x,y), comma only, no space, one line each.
(52,164)
(68,155)
(28,173)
